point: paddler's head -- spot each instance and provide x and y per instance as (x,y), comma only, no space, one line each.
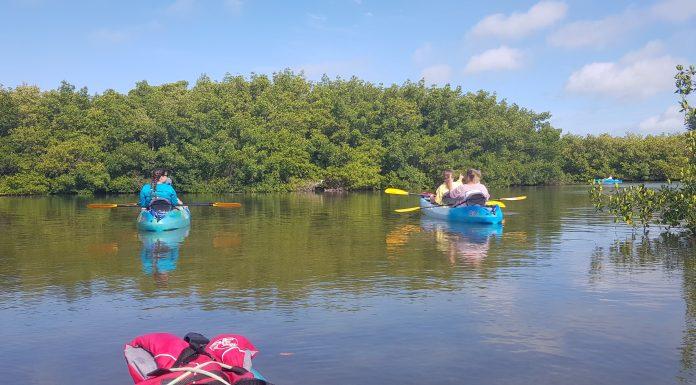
(159,175)
(448,175)
(473,175)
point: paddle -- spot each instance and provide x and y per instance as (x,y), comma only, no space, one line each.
(396,191)
(110,205)
(410,209)
(228,205)
(210,204)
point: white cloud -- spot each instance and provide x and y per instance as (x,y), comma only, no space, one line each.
(503,58)
(181,7)
(602,32)
(422,53)
(344,68)
(186,7)
(113,36)
(543,14)
(437,74)
(235,6)
(122,35)
(638,74)
(674,10)
(670,121)
(316,21)
(597,33)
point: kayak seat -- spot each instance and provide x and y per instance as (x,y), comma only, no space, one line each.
(473,198)
(140,361)
(160,207)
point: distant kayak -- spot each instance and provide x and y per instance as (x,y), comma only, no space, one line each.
(176,218)
(463,214)
(609,181)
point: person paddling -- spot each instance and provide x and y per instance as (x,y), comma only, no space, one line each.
(470,192)
(448,176)
(158,189)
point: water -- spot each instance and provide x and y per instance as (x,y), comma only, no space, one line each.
(339,289)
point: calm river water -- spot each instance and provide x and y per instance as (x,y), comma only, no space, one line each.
(338,289)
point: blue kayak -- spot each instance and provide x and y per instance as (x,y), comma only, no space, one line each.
(463,214)
(609,180)
(178,217)
(258,375)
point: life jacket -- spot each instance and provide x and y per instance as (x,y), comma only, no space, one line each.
(160,358)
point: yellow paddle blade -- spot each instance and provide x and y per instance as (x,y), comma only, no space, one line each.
(102,205)
(495,203)
(229,205)
(514,198)
(408,210)
(395,191)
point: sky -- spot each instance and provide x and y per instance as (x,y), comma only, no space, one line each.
(596,66)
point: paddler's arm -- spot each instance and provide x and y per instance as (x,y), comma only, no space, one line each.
(144,196)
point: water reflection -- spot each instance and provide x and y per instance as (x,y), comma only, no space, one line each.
(668,253)
(464,242)
(160,252)
(468,243)
(551,295)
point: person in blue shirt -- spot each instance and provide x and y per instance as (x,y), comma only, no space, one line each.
(158,188)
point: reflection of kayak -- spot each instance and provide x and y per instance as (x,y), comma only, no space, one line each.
(464,241)
(609,180)
(160,251)
(464,214)
(176,218)
(473,233)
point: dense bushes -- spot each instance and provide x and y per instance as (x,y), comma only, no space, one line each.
(670,206)
(285,133)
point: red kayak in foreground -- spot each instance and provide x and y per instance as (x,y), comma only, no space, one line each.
(163,358)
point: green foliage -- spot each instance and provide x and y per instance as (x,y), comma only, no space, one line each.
(283,133)
(669,206)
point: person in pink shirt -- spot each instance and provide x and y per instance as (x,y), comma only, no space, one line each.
(469,192)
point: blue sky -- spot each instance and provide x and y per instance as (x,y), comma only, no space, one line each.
(597,66)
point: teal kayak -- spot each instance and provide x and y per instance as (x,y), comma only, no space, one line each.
(609,180)
(463,214)
(258,375)
(150,220)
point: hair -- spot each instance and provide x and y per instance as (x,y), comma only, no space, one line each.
(472,173)
(156,175)
(447,173)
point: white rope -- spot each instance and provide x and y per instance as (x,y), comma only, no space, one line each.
(198,370)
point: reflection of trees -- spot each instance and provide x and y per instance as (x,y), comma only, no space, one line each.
(689,338)
(276,248)
(672,252)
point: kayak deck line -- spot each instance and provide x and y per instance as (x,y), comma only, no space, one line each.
(177,218)
(463,214)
